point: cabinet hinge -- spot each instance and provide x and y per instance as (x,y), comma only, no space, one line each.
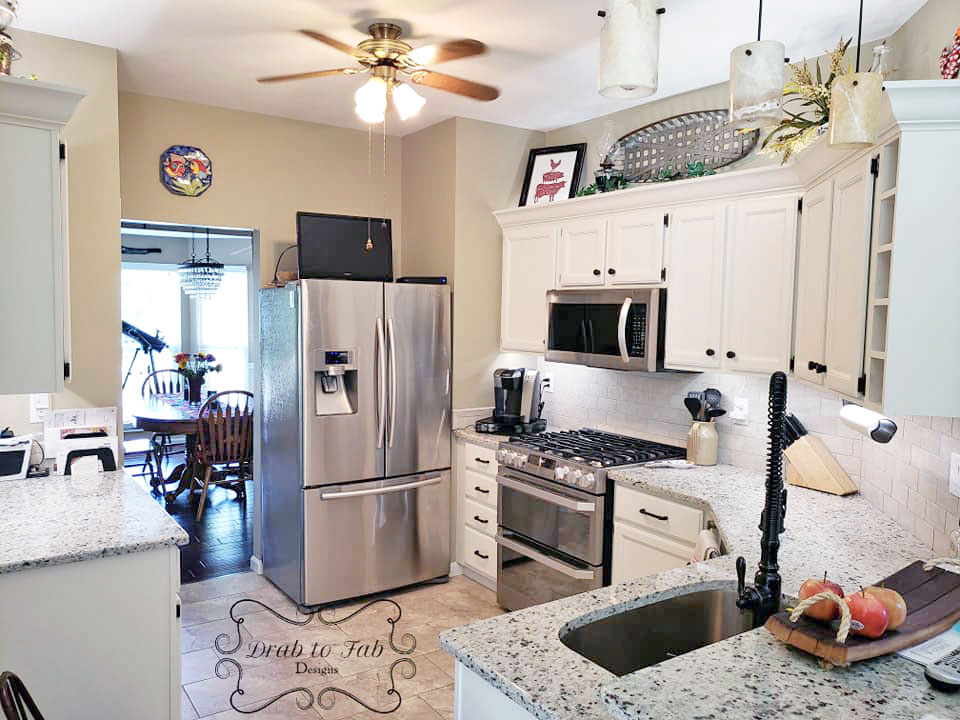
(66,371)
(178,610)
(63,151)
(800,205)
(862,384)
(875,166)
(663,274)
(666,219)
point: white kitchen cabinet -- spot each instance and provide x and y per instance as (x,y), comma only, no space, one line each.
(695,256)
(529,272)
(635,248)
(638,553)
(476,476)
(582,257)
(758,284)
(813,270)
(847,289)
(32,244)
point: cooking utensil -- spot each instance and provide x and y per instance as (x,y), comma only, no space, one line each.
(715,413)
(694,406)
(712,397)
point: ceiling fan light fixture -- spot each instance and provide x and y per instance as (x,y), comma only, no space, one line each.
(629,49)
(371,100)
(407,101)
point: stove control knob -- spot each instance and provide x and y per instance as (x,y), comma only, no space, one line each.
(511,458)
(561,472)
(587,481)
(575,477)
(502,455)
(522,460)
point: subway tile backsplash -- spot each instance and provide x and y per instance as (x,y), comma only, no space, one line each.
(906,479)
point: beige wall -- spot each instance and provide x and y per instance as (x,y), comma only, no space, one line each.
(429,197)
(917,45)
(265,169)
(94,220)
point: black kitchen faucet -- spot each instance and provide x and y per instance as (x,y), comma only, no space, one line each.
(763,597)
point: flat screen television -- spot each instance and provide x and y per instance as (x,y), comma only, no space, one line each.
(334,246)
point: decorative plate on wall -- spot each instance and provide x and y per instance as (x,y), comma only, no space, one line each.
(185,170)
(702,136)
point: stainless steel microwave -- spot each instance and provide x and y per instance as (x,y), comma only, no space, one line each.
(617,329)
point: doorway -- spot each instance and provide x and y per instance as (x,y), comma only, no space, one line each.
(160,320)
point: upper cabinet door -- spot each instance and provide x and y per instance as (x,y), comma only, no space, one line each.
(759,285)
(529,270)
(635,248)
(847,298)
(695,249)
(813,269)
(582,253)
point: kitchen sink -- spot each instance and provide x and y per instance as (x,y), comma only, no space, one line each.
(648,635)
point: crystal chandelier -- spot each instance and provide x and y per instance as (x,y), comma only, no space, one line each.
(200,278)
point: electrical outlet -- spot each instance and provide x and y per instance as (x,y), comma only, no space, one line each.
(741,411)
(955,474)
(39,404)
(546,383)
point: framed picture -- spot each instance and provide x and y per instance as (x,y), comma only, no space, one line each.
(553,174)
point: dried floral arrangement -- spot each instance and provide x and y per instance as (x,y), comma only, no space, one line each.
(809,101)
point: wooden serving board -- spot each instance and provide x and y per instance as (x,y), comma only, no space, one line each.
(933,606)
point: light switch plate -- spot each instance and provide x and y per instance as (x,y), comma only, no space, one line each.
(546,383)
(741,411)
(955,474)
(39,404)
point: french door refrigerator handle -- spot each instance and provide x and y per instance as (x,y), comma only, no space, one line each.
(436,479)
(546,560)
(622,329)
(392,374)
(381,385)
(546,495)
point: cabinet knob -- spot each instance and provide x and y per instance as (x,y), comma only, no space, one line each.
(612,271)
(596,271)
(710,352)
(811,366)
(731,354)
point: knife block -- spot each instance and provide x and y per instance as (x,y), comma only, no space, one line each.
(811,465)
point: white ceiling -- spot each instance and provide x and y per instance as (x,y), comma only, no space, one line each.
(543,53)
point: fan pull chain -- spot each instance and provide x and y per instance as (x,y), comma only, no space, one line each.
(369,245)
(384,221)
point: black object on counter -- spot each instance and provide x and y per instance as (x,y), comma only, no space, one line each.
(494,427)
(763,597)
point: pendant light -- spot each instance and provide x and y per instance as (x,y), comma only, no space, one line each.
(200,278)
(756,82)
(629,48)
(855,105)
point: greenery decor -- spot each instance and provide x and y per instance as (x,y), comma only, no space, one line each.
(613,183)
(809,113)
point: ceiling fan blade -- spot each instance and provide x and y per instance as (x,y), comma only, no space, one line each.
(305,75)
(443,52)
(342,47)
(456,85)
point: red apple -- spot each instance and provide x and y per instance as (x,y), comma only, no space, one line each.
(870,613)
(894,603)
(825,609)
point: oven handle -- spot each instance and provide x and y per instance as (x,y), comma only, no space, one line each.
(546,495)
(552,563)
(622,329)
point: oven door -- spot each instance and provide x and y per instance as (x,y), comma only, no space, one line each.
(606,328)
(531,574)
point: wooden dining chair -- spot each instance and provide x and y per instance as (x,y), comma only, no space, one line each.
(168,381)
(224,438)
(15,701)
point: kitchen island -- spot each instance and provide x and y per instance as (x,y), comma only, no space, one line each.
(520,656)
(89,607)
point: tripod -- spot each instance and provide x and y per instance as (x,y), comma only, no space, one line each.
(149,344)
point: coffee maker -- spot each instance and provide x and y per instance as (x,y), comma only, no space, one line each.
(516,403)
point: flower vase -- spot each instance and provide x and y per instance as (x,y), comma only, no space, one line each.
(194,390)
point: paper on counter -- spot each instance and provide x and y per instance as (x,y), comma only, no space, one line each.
(935,648)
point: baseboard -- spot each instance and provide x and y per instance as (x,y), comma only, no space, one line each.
(455,569)
(488,583)
(256,564)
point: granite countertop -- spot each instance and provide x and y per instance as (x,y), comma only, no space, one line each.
(469,434)
(749,676)
(63,519)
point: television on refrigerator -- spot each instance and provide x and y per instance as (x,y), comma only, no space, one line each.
(335,246)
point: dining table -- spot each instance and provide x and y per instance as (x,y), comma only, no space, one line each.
(168,415)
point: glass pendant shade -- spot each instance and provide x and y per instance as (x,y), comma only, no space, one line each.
(756,85)
(407,101)
(629,49)
(371,100)
(855,109)
(200,278)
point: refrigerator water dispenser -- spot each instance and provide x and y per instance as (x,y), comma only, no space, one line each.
(335,382)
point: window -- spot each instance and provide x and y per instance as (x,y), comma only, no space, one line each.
(221,328)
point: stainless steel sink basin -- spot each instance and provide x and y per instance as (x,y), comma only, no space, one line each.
(647,635)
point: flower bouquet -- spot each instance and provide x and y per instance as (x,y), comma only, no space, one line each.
(194,368)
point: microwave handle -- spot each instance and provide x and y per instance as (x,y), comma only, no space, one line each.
(622,329)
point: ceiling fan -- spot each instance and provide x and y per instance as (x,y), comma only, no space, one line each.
(389,59)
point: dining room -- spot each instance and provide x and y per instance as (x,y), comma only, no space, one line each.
(187,334)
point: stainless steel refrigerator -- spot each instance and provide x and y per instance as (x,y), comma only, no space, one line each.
(355,458)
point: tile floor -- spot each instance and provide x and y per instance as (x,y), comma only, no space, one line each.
(425,612)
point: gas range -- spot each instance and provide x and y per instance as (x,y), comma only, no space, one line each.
(580,458)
